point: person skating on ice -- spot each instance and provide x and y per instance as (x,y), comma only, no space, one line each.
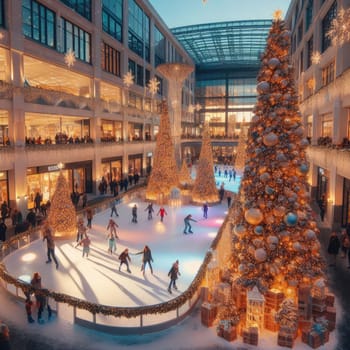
(48,236)
(112,246)
(205,210)
(114,208)
(125,259)
(150,210)
(161,213)
(173,274)
(146,258)
(112,227)
(134,214)
(85,242)
(188,226)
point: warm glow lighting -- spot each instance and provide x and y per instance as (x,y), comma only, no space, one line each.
(212,234)
(69,58)
(25,278)
(160,227)
(132,204)
(28,257)
(316,57)
(128,79)
(277,15)
(153,86)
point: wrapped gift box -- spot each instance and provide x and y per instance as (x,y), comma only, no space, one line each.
(304,293)
(223,293)
(273,299)
(316,336)
(285,339)
(208,314)
(293,331)
(251,335)
(331,314)
(319,304)
(230,333)
(305,310)
(304,324)
(330,299)
(269,321)
(239,295)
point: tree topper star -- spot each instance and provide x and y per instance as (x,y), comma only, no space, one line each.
(277,15)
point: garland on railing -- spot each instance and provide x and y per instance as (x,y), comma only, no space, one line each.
(127,312)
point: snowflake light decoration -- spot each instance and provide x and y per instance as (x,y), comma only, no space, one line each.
(153,86)
(340,26)
(316,57)
(128,79)
(69,58)
(198,107)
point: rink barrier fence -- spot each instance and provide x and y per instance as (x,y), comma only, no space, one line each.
(126,320)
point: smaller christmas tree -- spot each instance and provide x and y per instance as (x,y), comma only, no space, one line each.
(185,175)
(204,189)
(62,215)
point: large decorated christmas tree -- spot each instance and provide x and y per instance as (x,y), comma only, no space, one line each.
(204,188)
(62,215)
(165,175)
(275,235)
(241,153)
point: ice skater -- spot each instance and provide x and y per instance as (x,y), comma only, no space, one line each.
(146,258)
(89,216)
(112,227)
(85,242)
(161,213)
(112,245)
(173,274)
(50,245)
(150,210)
(114,208)
(81,232)
(134,214)
(205,210)
(188,226)
(41,299)
(125,259)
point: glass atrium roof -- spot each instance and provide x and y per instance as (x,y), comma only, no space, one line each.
(236,42)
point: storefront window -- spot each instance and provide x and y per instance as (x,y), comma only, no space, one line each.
(55,129)
(112,169)
(4,196)
(327,126)
(44,181)
(4,140)
(135,131)
(111,130)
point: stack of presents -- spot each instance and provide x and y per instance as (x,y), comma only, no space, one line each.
(307,311)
